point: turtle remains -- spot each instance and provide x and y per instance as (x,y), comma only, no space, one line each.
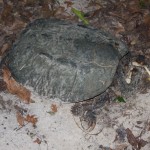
(59,59)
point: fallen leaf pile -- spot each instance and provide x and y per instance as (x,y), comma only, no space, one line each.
(127,19)
(14,87)
(29,118)
(137,143)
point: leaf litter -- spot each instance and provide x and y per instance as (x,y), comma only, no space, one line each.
(137,143)
(15,88)
(53,110)
(21,119)
(128,20)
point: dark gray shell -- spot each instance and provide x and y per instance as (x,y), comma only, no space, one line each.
(59,59)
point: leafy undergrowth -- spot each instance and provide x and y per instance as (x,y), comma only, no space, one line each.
(127,20)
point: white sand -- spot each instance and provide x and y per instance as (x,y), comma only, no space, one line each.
(61,131)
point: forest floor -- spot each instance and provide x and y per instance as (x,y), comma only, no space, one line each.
(50,125)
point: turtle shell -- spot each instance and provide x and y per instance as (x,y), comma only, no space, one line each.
(59,59)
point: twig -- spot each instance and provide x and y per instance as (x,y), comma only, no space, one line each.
(22,127)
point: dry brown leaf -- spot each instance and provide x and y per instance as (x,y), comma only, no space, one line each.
(15,88)
(68,3)
(4,48)
(3,35)
(18,25)
(133,7)
(119,28)
(54,108)
(20,119)
(30,2)
(37,141)
(137,143)
(2,85)
(94,3)
(142,143)
(131,138)
(94,13)
(31,119)
(60,10)
(147,20)
(46,12)
(7,14)
(25,15)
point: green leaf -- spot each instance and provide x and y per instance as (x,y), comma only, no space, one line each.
(120,99)
(142,4)
(51,113)
(80,15)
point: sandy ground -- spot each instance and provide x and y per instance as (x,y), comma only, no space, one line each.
(62,131)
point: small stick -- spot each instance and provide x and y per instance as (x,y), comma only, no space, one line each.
(139,65)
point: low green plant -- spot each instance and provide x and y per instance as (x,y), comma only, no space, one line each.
(80,14)
(120,99)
